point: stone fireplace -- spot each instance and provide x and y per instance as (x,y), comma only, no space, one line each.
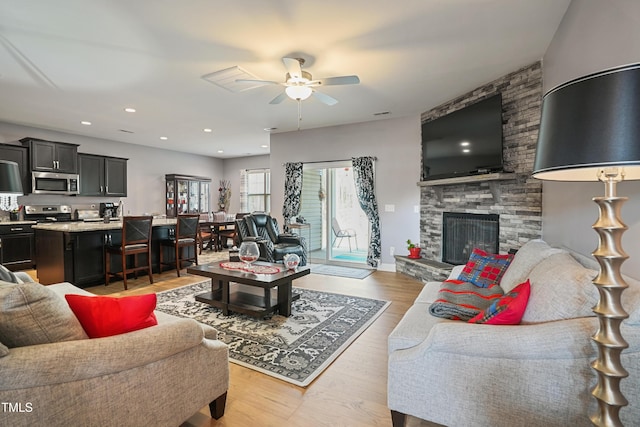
(515,197)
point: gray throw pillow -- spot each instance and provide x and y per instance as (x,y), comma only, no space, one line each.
(561,288)
(31,314)
(528,256)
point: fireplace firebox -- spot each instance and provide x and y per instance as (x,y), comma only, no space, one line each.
(462,232)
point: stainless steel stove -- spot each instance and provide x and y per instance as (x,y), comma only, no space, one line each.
(48,213)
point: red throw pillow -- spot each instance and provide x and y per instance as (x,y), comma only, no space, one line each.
(508,310)
(103,316)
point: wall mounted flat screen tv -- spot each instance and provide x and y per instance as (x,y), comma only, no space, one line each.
(465,142)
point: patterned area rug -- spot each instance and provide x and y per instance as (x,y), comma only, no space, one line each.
(337,270)
(294,349)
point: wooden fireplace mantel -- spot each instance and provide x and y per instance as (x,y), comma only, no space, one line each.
(491,178)
(498,176)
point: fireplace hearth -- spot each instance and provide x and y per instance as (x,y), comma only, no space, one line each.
(462,232)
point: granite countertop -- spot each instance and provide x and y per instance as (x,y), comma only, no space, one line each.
(79,227)
(17,222)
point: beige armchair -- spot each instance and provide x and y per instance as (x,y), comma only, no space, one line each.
(159,376)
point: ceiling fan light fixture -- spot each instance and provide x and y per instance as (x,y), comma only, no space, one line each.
(298,92)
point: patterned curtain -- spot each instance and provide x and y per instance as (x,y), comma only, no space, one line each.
(292,192)
(364,177)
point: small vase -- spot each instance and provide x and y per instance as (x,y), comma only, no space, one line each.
(414,253)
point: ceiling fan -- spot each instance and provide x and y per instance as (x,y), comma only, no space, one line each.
(299,85)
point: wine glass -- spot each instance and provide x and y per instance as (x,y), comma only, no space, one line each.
(249,253)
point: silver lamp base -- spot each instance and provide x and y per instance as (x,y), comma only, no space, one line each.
(609,310)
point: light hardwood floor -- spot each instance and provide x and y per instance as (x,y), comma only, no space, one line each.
(350,392)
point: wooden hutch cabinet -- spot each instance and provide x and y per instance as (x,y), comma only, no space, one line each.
(187,194)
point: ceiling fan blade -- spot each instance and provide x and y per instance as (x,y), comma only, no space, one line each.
(342,80)
(324,98)
(278,99)
(293,67)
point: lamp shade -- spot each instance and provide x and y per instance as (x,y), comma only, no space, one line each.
(591,123)
(10,181)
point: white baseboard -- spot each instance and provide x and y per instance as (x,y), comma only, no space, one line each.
(387,267)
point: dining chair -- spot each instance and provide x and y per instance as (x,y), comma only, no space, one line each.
(230,231)
(207,234)
(136,240)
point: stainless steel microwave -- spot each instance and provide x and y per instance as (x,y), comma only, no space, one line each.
(55,183)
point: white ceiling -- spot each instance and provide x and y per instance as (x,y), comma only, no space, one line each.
(65,61)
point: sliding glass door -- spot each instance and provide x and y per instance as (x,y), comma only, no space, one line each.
(338,228)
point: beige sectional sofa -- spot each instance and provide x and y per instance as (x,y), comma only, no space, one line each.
(534,374)
(158,376)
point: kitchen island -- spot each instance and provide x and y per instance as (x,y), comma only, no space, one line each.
(74,251)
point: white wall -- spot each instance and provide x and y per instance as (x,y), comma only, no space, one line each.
(395,143)
(594,35)
(146,168)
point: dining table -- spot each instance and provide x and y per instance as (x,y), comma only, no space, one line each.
(215,242)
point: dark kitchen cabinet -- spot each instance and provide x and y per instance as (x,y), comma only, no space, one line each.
(50,257)
(84,257)
(52,156)
(20,155)
(17,247)
(102,175)
(76,258)
(115,176)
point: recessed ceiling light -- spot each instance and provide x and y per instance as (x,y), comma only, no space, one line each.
(207,130)
(382,113)
(130,110)
(220,151)
(466,150)
(264,146)
(164,138)
(86,123)
(465,143)
(270,129)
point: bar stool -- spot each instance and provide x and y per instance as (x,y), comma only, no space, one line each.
(136,240)
(187,231)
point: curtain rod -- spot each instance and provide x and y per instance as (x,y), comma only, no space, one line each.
(329,161)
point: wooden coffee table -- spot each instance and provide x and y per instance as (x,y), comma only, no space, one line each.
(234,298)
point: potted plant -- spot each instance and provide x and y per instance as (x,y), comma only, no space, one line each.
(414,249)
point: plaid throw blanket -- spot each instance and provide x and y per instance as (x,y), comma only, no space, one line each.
(458,300)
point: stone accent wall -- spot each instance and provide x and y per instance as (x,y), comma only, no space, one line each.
(518,201)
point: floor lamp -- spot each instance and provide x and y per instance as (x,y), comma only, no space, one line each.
(590,131)
(10,185)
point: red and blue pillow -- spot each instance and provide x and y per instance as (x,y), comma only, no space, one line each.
(484,269)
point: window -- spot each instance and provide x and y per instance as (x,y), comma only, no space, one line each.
(255,193)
